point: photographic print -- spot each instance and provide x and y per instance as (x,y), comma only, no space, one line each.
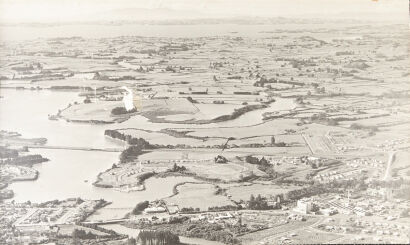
(204,122)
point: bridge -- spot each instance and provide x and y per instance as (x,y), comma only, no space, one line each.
(74,148)
(105,222)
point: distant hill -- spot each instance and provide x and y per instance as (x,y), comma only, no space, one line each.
(136,14)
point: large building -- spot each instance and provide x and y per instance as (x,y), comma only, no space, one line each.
(305,206)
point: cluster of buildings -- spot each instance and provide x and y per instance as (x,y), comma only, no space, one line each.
(361,162)
(336,175)
(42,216)
(217,217)
(389,145)
(358,226)
(27,223)
(296,160)
(15,172)
(10,214)
(154,216)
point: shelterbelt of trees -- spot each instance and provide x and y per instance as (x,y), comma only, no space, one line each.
(148,237)
(129,139)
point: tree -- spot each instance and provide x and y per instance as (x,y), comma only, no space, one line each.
(252,160)
(272,140)
(131,241)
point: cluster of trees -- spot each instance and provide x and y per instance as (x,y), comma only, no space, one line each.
(223,208)
(130,154)
(335,186)
(263,80)
(170,68)
(121,110)
(22,160)
(129,139)
(306,192)
(238,112)
(131,241)
(158,238)
(87,100)
(82,234)
(258,203)
(144,176)
(177,168)
(199,229)
(140,207)
(339,53)
(263,165)
(255,160)
(190,210)
(322,118)
(212,232)
(69,87)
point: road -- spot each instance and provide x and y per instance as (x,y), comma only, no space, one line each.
(392,157)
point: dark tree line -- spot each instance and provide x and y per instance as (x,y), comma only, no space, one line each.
(335,186)
(121,110)
(223,208)
(158,238)
(130,154)
(82,234)
(23,160)
(255,160)
(129,139)
(140,207)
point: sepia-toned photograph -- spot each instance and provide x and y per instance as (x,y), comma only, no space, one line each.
(204,122)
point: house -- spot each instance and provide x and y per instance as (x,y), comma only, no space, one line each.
(154,210)
(172,209)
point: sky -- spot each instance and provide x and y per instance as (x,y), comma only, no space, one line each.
(45,11)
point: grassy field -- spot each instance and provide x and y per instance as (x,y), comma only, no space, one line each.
(67,230)
(197,196)
(244,191)
(100,111)
(270,235)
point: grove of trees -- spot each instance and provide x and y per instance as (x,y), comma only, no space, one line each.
(148,237)
(140,207)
